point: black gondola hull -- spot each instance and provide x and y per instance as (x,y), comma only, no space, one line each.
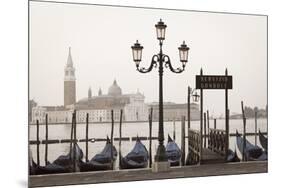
(173,152)
(263,141)
(137,158)
(252,153)
(232,156)
(131,164)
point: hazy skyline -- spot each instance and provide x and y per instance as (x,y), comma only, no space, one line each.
(101,38)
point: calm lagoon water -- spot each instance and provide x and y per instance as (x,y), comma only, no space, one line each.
(62,131)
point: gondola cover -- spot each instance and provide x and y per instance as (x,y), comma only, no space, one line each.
(103,160)
(66,160)
(173,152)
(252,152)
(137,158)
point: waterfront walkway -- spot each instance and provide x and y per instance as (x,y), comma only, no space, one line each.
(147,174)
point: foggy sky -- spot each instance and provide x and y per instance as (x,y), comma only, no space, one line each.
(101,37)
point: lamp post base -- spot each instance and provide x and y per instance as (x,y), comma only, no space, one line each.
(161,154)
(161,166)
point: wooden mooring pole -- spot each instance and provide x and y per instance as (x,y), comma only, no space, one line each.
(188,107)
(201,117)
(215,123)
(111,137)
(208,125)
(227,135)
(244,132)
(46,138)
(75,143)
(150,136)
(87,137)
(226,119)
(183,141)
(37,143)
(204,129)
(120,136)
(256,126)
(174,130)
(71,138)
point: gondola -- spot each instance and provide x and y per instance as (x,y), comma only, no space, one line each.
(263,141)
(32,164)
(252,152)
(32,168)
(232,156)
(75,152)
(101,161)
(66,161)
(49,168)
(104,160)
(36,169)
(137,158)
(173,152)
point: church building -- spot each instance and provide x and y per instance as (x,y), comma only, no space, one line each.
(99,106)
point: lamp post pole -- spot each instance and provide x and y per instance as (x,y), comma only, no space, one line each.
(161,151)
(160,60)
(161,127)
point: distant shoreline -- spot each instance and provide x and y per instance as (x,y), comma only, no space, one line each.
(130,122)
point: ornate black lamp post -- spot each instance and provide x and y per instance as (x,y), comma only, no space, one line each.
(160,60)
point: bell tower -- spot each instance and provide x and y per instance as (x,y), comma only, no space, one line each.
(69,81)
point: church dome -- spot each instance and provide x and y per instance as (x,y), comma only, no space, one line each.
(114,89)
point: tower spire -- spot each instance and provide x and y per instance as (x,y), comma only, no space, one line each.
(69,59)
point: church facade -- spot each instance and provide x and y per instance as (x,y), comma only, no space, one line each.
(133,105)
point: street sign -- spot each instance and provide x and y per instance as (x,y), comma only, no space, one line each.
(213,82)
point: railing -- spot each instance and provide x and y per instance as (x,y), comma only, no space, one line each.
(217,141)
(194,147)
